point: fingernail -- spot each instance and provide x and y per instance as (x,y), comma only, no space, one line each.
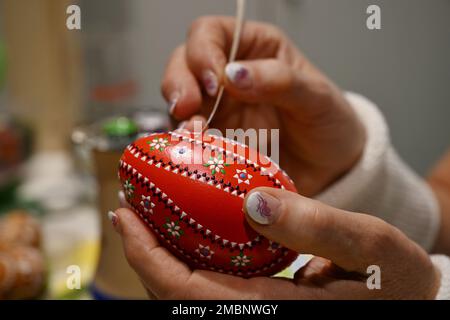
(262,207)
(113,218)
(123,200)
(173,103)
(210,82)
(238,75)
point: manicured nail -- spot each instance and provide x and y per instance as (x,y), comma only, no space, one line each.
(173,103)
(123,200)
(238,75)
(210,82)
(262,207)
(113,218)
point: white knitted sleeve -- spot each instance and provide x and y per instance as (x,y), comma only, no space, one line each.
(381,184)
(443,264)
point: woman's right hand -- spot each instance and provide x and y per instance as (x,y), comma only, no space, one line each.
(272,86)
(351,257)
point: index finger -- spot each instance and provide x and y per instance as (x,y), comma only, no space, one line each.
(180,88)
(210,39)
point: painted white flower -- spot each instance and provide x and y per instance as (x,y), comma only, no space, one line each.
(204,252)
(182,153)
(173,229)
(129,188)
(241,260)
(147,205)
(159,144)
(242,176)
(273,246)
(216,164)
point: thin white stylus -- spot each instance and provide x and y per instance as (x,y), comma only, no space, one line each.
(240,14)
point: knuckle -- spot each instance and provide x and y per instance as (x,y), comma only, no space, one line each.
(381,239)
(274,32)
(323,89)
(167,81)
(312,217)
(270,31)
(316,218)
(275,37)
(166,86)
(198,24)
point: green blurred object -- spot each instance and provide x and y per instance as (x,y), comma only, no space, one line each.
(2,64)
(120,127)
(8,194)
(9,200)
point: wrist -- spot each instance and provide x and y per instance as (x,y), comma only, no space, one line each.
(356,182)
(382,185)
(346,146)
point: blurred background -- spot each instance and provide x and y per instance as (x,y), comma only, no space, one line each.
(70,100)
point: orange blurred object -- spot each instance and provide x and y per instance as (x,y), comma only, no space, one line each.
(22,265)
(20,228)
(22,272)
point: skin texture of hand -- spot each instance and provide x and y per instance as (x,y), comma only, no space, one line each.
(272,86)
(348,242)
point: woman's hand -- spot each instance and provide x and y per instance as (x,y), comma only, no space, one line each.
(345,244)
(273,86)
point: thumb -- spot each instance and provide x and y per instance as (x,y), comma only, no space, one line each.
(269,80)
(310,227)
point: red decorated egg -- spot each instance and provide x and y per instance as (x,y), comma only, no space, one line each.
(189,189)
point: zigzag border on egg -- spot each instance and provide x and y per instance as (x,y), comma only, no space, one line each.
(205,178)
(169,203)
(185,172)
(234,143)
(236,157)
(207,234)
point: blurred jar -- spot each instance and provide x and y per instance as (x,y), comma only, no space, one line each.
(109,79)
(99,147)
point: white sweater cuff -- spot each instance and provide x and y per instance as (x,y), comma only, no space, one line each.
(381,184)
(442,263)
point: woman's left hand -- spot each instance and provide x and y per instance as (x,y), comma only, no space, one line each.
(345,245)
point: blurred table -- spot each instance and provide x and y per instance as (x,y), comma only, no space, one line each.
(71,239)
